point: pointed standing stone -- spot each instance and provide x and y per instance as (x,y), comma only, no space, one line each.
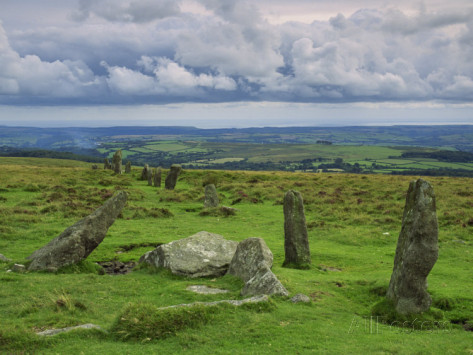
(157,177)
(117,162)
(211,196)
(171,179)
(296,240)
(416,251)
(106,164)
(128,167)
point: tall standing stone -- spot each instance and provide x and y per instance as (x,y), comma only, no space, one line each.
(145,173)
(211,196)
(117,162)
(296,240)
(128,167)
(157,177)
(150,177)
(416,251)
(171,179)
(80,239)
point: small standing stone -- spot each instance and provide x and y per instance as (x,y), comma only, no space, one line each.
(145,173)
(211,197)
(296,240)
(157,177)
(117,162)
(106,164)
(150,177)
(416,251)
(171,179)
(128,167)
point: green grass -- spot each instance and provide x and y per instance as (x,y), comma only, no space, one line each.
(353,223)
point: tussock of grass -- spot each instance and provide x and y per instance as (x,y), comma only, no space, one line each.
(145,322)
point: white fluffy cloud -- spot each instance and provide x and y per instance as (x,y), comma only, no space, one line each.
(158,51)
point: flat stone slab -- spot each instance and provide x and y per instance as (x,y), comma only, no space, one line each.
(237,303)
(205,290)
(51,332)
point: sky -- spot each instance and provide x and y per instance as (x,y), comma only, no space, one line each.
(235,63)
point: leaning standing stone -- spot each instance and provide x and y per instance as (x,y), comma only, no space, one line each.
(211,197)
(416,251)
(106,164)
(79,240)
(117,162)
(128,167)
(296,241)
(171,179)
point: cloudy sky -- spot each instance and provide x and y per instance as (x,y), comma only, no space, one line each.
(235,63)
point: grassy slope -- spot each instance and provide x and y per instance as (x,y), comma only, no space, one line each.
(348,218)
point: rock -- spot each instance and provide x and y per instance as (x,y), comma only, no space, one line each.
(252,263)
(80,239)
(128,167)
(4,258)
(205,290)
(236,303)
(106,164)
(416,251)
(117,162)
(296,240)
(145,173)
(200,255)
(157,177)
(251,256)
(264,283)
(95,167)
(18,268)
(211,197)
(300,298)
(171,179)
(51,332)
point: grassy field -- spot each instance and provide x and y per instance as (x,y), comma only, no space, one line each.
(353,223)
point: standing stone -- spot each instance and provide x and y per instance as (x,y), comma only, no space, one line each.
(80,239)
(171,179)
(416,251)
(296,241)
(117,162)
(211,197)
(252,263)
(145,173)
(157,177)
(157,181)
(150,177)
(106,164)
(128,167)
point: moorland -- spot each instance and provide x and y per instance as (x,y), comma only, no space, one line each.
(405,150)
(353,222)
